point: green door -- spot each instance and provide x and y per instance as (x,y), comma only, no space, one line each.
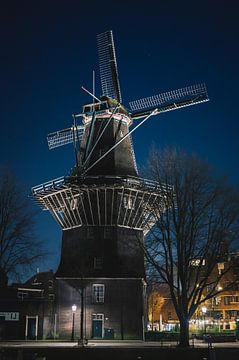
(31,329)
(97,328)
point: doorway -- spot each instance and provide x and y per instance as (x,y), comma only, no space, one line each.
(31,327)
(98,326)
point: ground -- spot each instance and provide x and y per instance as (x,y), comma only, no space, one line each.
(115,350)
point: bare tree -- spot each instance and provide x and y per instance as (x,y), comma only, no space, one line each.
(201,216)
(19,249)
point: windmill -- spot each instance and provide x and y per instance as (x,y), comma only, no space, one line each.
(103,144)
(103,207)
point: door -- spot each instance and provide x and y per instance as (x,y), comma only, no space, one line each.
(97,325)
(31,327)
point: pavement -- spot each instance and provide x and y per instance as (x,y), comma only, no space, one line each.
(112,344)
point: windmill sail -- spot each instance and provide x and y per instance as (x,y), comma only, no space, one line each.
(171,100)
(108,66)
(63,137)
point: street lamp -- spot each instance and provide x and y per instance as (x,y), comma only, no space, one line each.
(204,311)
(74,307)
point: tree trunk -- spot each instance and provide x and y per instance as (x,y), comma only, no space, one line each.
(184,333)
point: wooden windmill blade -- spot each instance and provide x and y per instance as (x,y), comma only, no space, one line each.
(108,66)
(168,101)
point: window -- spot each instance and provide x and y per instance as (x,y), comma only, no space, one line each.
(98,316)
(231,314)
(217,300)
(220,267)
(235,299)
(98,263)
(197,262)
(98,293)
(209,287)
(22,295)
(231,299)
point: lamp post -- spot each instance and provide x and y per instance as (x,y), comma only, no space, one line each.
(74,307)
(204,311)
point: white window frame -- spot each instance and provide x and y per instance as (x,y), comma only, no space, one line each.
(97,295)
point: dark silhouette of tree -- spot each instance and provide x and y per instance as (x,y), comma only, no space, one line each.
(194,232)
(19,249)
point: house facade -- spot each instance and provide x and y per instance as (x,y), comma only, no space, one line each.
(219,313)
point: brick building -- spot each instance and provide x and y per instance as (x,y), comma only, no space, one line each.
(220,312)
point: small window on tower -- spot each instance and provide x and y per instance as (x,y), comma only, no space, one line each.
(98,263)
(98,293)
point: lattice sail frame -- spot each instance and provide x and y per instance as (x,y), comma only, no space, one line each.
(129,204)
(187,93)
(108,66)
(65,136)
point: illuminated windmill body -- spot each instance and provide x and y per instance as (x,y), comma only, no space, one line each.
(103,207)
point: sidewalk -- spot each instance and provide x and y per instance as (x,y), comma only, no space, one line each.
(110,344)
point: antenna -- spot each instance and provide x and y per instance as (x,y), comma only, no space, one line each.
(108,66)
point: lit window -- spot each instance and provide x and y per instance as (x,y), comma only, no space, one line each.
(217,301)
(98,293)
(231,299)
(197,262)
(98,316)
(220,267)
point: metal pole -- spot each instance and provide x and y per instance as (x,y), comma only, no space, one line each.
(73,327)
(82,316)
(75,139)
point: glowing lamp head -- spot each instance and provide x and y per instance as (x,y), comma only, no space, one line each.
(74,307)
(204,309)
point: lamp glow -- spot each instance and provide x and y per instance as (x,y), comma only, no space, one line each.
(74,307)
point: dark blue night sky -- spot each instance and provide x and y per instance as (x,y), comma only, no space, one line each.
(48,51)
